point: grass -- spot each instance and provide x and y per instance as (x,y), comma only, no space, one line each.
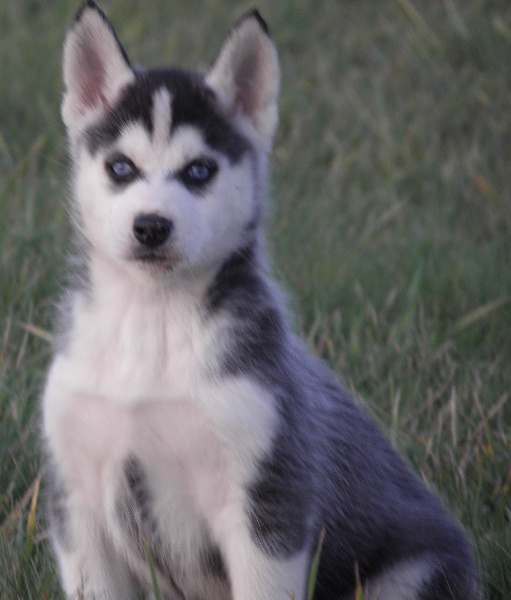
(390,227)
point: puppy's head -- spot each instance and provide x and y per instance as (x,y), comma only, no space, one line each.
(168,163)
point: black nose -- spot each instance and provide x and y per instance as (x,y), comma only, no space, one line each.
(152,230)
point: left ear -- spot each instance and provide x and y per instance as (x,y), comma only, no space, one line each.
(245,77)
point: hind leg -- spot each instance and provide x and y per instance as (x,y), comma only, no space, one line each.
(403,581)
(451,578)
(424,578)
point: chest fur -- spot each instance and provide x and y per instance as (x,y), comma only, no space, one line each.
(139,386)
(132,347)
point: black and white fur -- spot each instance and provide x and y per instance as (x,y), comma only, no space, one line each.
(182,417)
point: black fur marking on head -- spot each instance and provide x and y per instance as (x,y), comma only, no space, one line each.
(134,105)
(55,504)
(193,103)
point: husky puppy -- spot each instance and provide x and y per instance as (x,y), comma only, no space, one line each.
(186,426)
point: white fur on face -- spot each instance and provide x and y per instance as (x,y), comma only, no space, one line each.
(207,226)
(161,118)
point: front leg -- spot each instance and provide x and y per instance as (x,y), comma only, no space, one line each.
(266,528)
(266,537)
(92,572)
(256,575)
(90,569)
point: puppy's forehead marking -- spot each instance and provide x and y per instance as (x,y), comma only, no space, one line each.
(163,153)
(190,102)
(161,116)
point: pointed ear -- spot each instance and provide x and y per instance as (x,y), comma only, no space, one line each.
(245,77)
(96,68)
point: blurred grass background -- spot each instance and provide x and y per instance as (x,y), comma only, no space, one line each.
(390,226)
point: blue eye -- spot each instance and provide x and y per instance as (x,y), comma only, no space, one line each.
(198,173)
(121,170)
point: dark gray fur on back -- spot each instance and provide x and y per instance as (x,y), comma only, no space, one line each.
(329,466)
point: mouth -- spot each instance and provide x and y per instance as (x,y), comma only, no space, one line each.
(150,258)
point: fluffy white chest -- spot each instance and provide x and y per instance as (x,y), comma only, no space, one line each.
(178,444)
(184,484)
(132,347)
(136,382)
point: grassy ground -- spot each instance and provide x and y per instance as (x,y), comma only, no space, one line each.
(390,226)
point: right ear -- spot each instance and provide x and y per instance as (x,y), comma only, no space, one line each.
(96,68)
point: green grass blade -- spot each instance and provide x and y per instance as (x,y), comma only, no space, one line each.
(315,566)
(478,314)
(152,569)
(31,519)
